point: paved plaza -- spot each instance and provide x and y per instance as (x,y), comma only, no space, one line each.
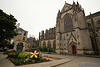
(79,61)
(67,61)
(4,62)
(82,62)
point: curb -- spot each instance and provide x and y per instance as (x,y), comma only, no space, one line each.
(61,63)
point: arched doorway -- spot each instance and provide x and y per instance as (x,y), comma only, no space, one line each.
(44,44)
(54,44)
(20,46)
(49,44)
(73,49)
(94,44)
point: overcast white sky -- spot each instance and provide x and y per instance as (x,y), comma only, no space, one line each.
(37,15)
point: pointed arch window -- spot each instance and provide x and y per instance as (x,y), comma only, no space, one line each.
(89,25)
(98,23)
(68,25)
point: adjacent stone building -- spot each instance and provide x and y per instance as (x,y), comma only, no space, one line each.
(20,41)
(48,38)
(74,33)
(33,43)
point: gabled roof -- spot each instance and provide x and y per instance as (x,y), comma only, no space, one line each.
(21,29)
(66,7)
(72,38)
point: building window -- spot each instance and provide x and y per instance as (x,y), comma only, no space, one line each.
(98,23)
(20,33)
(23,38)
(68,25)
(24,33)
(89,25)
(64,37)
(67,34)
(49,44)
(19,38)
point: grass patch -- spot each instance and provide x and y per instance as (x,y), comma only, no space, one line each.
(18,62)
(96,56)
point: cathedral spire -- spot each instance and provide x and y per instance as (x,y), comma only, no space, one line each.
(78,7)
(73,2)
(58,16)
(77,3)
(83,12)
(74,5)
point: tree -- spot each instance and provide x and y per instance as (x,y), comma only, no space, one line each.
(7,27)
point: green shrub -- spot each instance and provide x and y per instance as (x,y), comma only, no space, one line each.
(44,48)
(40,48)
(17,61)
(16,54)
(51,50)
(29,61)
(39,58)
(24,55)
(11,54)
(9,51)
(46,59)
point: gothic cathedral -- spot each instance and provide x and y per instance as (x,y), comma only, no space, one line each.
(74,33)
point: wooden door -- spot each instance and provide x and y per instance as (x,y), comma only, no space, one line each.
(74,49)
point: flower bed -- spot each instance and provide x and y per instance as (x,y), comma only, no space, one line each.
(21,58)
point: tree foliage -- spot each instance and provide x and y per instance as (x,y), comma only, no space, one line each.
(7,27)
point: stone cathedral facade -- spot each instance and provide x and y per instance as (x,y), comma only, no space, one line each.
(74,33)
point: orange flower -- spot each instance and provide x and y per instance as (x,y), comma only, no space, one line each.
(34,54)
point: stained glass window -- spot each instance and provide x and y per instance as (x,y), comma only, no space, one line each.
(68,25)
